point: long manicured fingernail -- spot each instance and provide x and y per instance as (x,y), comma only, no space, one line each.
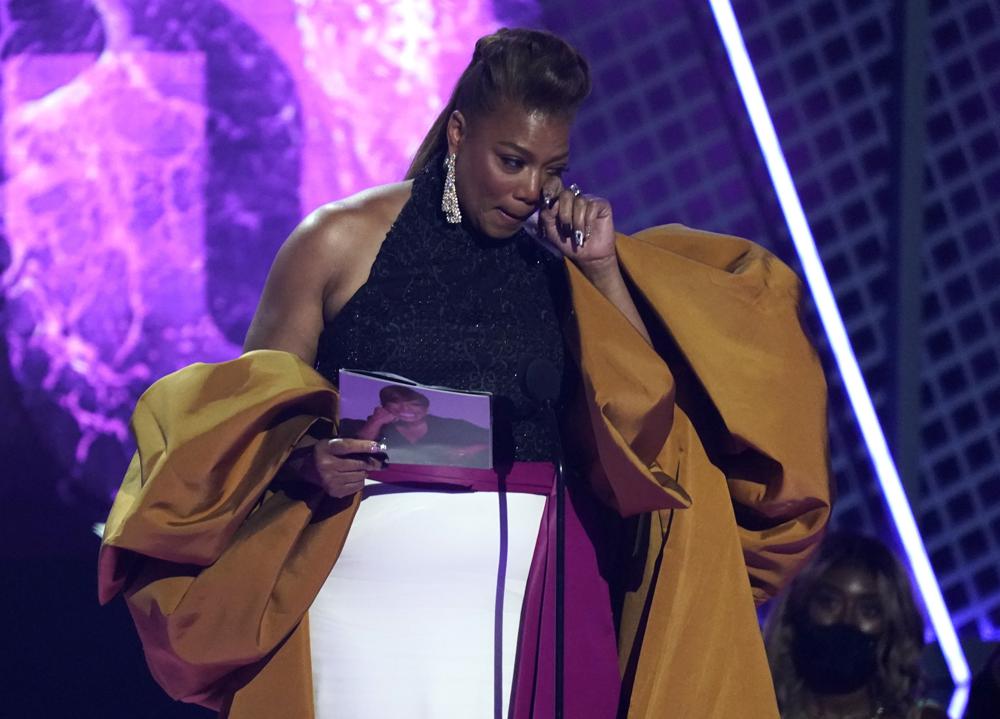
(578,238)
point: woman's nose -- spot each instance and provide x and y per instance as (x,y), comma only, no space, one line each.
(530,188)
(857,617)
(839,615)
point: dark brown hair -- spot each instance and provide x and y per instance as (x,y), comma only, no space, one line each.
(401,393)
(898,678)
(534,69)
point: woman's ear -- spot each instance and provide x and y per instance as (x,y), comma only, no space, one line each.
(457,129)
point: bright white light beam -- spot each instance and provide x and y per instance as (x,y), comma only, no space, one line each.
(847,363)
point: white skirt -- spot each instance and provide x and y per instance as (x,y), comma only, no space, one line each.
(405,626)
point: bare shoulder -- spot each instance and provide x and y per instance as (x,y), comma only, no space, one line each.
(348,225)
(325,260)
(342,238)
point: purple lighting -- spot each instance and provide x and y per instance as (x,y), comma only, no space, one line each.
(379,74)
(157,152)
(104,221)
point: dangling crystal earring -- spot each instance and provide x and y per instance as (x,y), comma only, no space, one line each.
(449,200)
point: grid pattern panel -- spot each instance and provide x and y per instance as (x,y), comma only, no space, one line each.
(829,87)
(660,136)
(960,419)
(666,138)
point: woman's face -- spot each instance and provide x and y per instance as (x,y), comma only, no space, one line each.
(848,594)
(503,161)
(407,410)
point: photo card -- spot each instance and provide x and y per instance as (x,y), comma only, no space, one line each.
(419,424)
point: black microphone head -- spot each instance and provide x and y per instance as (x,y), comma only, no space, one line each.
(542,380)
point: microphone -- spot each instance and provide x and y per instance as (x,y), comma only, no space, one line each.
(541,381)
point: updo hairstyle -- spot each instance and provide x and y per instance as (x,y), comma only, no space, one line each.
(533,69)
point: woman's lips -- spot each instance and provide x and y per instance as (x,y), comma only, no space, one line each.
(511,218)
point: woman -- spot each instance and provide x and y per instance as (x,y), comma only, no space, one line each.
(678,342)
(846,641)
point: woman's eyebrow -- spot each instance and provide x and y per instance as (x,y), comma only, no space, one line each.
(528,153)
(828,587)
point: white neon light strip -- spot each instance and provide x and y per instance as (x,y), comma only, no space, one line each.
(854,382)
(959,698)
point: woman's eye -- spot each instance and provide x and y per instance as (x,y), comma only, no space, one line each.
(826,600)
(558,171)
(512,163)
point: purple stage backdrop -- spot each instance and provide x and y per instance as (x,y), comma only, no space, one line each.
(156,154)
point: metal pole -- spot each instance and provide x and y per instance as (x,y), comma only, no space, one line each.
(906,238)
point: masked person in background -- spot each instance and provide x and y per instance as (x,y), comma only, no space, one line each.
(845,640)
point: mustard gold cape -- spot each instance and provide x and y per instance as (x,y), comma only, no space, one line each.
(715,437)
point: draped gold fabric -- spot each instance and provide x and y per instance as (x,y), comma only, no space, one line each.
(715,436)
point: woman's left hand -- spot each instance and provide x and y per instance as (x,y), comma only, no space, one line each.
(580,226)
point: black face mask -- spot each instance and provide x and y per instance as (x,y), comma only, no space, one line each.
(835,658)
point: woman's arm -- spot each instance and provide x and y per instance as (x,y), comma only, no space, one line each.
(313,275)
(609,281)
(321,265)
(581,227)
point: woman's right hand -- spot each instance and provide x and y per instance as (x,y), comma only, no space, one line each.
(380,417)
(340,465)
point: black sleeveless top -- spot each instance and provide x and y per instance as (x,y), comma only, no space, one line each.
(446,306)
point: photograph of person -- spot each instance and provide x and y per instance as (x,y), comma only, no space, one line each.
(402,421)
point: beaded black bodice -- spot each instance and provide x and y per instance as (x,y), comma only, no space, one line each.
(446,306)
